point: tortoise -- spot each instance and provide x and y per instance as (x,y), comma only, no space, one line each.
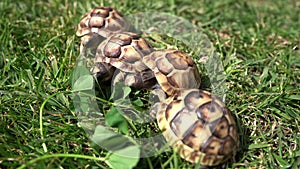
(104,21)
(170,70)
(173,70)
(199,126)
(123,51)
(193,121)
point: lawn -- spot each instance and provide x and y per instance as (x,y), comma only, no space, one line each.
(258,43)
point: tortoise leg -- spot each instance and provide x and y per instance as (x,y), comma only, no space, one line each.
(147,79)
(88,48)
(142,80)
(103,71)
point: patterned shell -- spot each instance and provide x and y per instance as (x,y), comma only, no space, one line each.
(102,20)
(124,51)
(199,127)
(173,70)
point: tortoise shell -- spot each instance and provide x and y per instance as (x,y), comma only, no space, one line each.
(124,51)
(199,126)
(102,20)
(173,70)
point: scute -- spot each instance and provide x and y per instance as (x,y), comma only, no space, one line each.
(182,122)
(179,63)
(191,100)
(121,39)
(199,132)
(196,135)
(220,128)
(173,69)
(210,112)
(111,50)
(228,143)
(163,67)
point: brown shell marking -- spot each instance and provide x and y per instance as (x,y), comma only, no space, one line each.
(103,21)
(199,126)
(124,51)
(173,69)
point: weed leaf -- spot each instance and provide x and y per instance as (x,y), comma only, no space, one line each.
(114,118)
(84,82)
(126,158)
(78,72)
(124,153)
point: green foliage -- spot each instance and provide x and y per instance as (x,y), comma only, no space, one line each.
(81,79)
(124,152)
(115,119)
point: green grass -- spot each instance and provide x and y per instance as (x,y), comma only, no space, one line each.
(258,43)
